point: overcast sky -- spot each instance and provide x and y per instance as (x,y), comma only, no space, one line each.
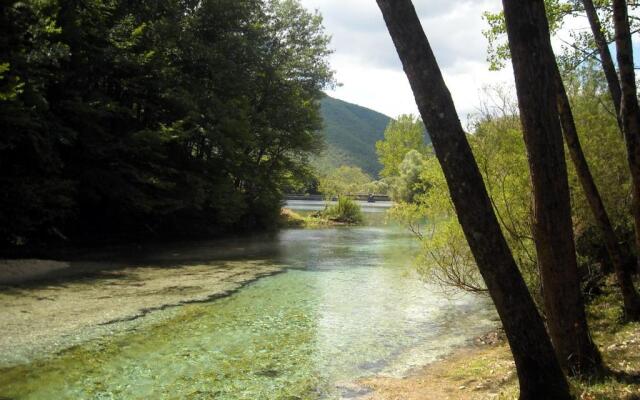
(367,64)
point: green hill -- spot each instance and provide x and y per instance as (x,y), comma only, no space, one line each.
(351,132)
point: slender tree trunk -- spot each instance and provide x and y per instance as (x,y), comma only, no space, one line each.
(535,73)
(623,275)
(538,369)
(629,109)
(606,60)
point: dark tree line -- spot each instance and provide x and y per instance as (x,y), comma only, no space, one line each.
(158,117)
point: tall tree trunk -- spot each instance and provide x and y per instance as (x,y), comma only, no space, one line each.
(623,275)
(535,73)
(606,60)
(538,369)
(629,109)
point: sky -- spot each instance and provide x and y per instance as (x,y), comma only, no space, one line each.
(368,67)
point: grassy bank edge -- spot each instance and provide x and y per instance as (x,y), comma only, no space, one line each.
(291,219)
(487,371)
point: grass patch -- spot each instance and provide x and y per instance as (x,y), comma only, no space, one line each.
(345,211)
(291,219)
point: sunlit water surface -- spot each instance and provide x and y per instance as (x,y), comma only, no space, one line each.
(349,306)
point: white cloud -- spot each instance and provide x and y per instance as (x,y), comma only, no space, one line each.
(367,64)
(368,67)
(382,89)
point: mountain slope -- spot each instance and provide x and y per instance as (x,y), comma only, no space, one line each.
(351,132)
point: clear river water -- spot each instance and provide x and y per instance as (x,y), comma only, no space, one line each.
(348,305)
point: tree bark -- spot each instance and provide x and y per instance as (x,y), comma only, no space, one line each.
(606,60)
(629,109)
(623,275)
(539,371)
(535,73)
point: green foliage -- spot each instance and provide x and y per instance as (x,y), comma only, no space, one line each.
(605,151)
(345,211)
(408,185)
(381,186)
(499,149)
(344,180)
(498,49)
(401,136)
(155,117)
(34,194)
(351,132)
(445,257)
(402,154)
(11,87)
(500,153)
(579,48)
(603,146)
(498,146)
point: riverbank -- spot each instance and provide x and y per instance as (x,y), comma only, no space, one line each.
(486,370)
(47,317)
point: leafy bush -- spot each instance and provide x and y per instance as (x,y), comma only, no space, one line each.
(345,210)
(401,136)
(446,258)
(499,149)
(407,186)
(343,181)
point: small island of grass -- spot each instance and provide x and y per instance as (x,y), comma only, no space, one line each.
(344,212)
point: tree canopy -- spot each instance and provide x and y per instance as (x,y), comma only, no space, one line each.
(401,136)
(345,180)
(154,117)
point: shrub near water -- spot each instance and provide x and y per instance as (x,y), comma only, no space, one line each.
(345,210)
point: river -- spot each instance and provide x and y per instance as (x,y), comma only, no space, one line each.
(348,305)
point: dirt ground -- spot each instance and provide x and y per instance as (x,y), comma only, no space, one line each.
(483,371)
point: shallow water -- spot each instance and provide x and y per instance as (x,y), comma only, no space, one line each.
(349,306)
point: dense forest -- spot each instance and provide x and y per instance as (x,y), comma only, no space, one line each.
(351,132)
(154,118)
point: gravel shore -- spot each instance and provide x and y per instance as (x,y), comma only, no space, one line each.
(49,316)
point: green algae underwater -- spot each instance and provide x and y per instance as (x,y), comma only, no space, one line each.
(349,306)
